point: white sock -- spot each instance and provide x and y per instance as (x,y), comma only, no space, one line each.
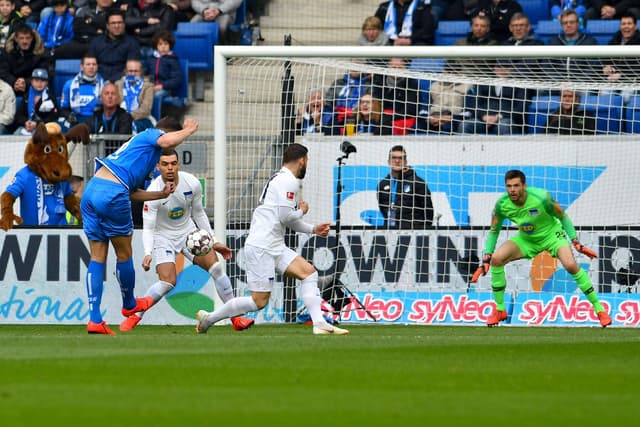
(310,295)
(232,308)
(157,291)
(222,282)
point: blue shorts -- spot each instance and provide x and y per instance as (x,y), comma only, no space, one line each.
(106,210)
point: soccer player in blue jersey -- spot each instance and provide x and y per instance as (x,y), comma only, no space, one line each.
(106,211)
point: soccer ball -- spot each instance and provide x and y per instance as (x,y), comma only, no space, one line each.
(199,242)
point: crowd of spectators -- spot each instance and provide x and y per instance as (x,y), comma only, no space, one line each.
(400,105)
(108,37)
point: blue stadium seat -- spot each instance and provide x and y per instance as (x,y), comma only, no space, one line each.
(182,95)
(603,29)
(195,42)
(449,31)
(607,110)
(539,109)
(632,115)
(536,10)
(65,69)
(427,65)
(547,29)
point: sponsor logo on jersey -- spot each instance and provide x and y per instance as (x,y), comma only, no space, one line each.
(176,213)
(290,195)
(527,228)
(534,212)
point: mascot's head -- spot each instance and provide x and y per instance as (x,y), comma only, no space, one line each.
(46,153)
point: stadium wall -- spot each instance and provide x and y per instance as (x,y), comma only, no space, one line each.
(42,273)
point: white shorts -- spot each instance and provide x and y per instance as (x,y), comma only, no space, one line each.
(261,267)
(165,250)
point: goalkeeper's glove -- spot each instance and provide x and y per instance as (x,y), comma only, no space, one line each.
(483,268)
(583,249)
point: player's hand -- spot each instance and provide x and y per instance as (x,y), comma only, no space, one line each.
(223,250)
(146,263)
(483,268)
(169,187)
(583,249)
(303,206)
(322,230)
(190,125)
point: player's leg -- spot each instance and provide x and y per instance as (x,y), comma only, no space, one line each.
(295,266)
(214,267)
(565,255)
(260,277)
(507,252)
(99,247)
(166,282)
(95,287)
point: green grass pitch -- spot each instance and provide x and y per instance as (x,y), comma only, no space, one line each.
(282,375)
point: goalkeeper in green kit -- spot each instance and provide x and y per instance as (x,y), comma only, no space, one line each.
(542,225)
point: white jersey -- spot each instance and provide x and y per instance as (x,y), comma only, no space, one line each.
(267,230)
(175,216)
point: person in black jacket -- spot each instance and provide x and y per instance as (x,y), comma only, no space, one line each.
(142,23)
(419,31)
(23,53)
(110,119)
(88,22)
(404,198)
(570,118)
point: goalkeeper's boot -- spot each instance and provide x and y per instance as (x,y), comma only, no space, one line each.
(130,322)
(203,322)
(142,304)
(327,329)
(605,319)
(496,317)
(99,328)
(241,323)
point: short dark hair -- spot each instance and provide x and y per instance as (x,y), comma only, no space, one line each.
(168,124)
(397,148)
(22,28)
(163,35)
(629,15)
(294,152)
(113,12)
(170,152)
(515,173)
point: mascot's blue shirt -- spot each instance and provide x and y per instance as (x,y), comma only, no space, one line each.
(41,203)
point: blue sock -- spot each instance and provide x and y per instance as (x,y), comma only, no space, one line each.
(126,275)
(94,283)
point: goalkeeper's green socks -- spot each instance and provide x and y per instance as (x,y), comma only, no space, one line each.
(585,285)
(498,284)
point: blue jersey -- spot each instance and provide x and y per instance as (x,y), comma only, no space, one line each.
(135,160)
(41,203)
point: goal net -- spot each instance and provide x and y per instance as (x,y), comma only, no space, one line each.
(404,250)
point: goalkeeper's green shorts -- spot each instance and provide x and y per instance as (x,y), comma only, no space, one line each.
(551,244)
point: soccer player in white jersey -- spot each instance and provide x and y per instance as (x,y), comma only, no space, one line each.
(166,222)
(265,250)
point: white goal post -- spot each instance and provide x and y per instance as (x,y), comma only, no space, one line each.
(587,160)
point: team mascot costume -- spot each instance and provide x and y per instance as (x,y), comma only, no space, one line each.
(43,184)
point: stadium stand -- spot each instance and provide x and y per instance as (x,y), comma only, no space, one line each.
(449,31)
(547,29)
(603,29)
(607,110)
(195,42)
(632,115)
(536,10)
(65,70)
